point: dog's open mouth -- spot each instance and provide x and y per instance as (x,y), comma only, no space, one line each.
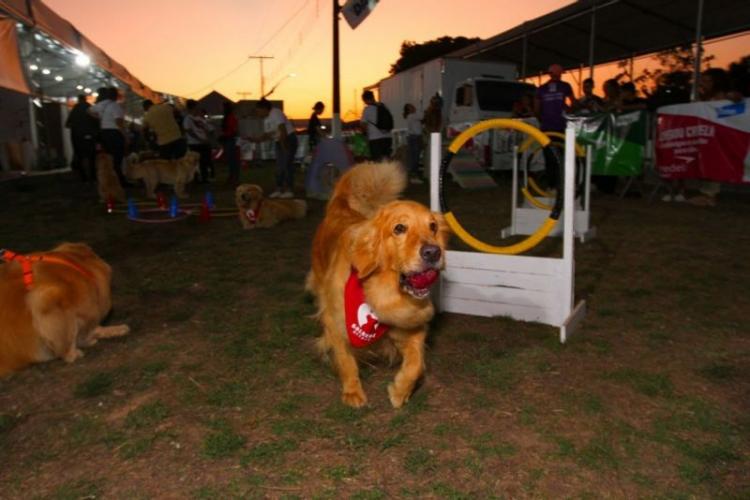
(418,284)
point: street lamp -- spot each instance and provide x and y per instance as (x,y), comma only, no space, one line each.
(290,75)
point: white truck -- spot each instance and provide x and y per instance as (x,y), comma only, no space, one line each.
(472,91)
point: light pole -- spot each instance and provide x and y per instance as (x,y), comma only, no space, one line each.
(290,75)
(262,77)
(336,119)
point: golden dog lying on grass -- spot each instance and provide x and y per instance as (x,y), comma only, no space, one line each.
(255,210)
(51,304)
(383,255)
(178,172)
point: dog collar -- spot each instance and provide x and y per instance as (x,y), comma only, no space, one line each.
(253,214)
(28,261)
(362,325)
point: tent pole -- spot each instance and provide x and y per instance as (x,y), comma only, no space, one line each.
(592,39)
(698,51)
(524,55)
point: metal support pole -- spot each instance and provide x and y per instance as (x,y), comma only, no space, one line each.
(524,54)
(592,40)
(336,121)
(698,51)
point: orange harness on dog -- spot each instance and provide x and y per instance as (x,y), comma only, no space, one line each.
(28,261)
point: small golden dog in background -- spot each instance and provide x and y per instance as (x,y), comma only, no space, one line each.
(106,179)
(384,256)
(56,308)
(255,210)
(178,173)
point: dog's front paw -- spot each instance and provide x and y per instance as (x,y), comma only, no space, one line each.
(397,398)
(72,355)
(354,398)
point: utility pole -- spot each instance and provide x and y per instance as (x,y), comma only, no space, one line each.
(262,76)
(244,95)
(336,119)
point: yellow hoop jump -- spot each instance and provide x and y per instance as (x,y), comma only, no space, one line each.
(526,244)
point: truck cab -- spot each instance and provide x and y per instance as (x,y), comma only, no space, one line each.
(481,98)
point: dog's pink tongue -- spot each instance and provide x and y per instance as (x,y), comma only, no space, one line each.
(423,279)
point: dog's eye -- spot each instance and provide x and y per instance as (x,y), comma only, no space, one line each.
(433,227)
(399,229)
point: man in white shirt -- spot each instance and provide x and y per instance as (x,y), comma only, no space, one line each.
(196,131)
(281,130)
(379,140)
(112,123)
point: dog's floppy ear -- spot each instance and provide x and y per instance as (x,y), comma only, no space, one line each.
(444,230)
(366,252)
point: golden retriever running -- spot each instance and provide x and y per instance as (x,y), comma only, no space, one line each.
(178,172)
(384,255)
(51,307)
(254,210)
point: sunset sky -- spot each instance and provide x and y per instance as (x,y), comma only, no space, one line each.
(186,47)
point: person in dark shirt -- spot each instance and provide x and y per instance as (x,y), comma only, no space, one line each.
(590,102)
(629,101)
(84,129)
(314,127)
(552,99)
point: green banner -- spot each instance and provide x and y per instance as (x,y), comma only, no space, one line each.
(618,141)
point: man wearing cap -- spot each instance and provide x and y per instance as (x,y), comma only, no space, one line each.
(314,127)
(549,104)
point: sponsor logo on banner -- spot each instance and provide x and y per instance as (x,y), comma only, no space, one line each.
(731,110)
(356,11)
(704,140)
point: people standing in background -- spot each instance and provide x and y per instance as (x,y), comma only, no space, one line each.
(314,127)
(197,130)
(611,95)
(714,85)
(524,107)
(282,132)
(112,128)
(161,119)
(589,102)
(380,141)
(413,142)
(552,99)
(433,115)
(629,101)
(83,131)
(229,130)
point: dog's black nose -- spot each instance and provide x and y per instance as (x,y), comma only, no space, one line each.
(430,253)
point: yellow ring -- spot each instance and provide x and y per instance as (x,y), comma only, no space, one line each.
(470,132)
(580,150)
(534,201)
(517,248)
(537,189)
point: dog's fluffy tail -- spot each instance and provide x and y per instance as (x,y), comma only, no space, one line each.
(368,186)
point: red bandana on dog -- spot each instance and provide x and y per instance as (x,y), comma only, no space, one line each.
(252,215)
(362,326)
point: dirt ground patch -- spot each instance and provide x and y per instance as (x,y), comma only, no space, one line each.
(217,391)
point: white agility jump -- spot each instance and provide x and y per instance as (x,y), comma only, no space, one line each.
(525,218)
(525,288)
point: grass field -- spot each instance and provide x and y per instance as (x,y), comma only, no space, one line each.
(217,392)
